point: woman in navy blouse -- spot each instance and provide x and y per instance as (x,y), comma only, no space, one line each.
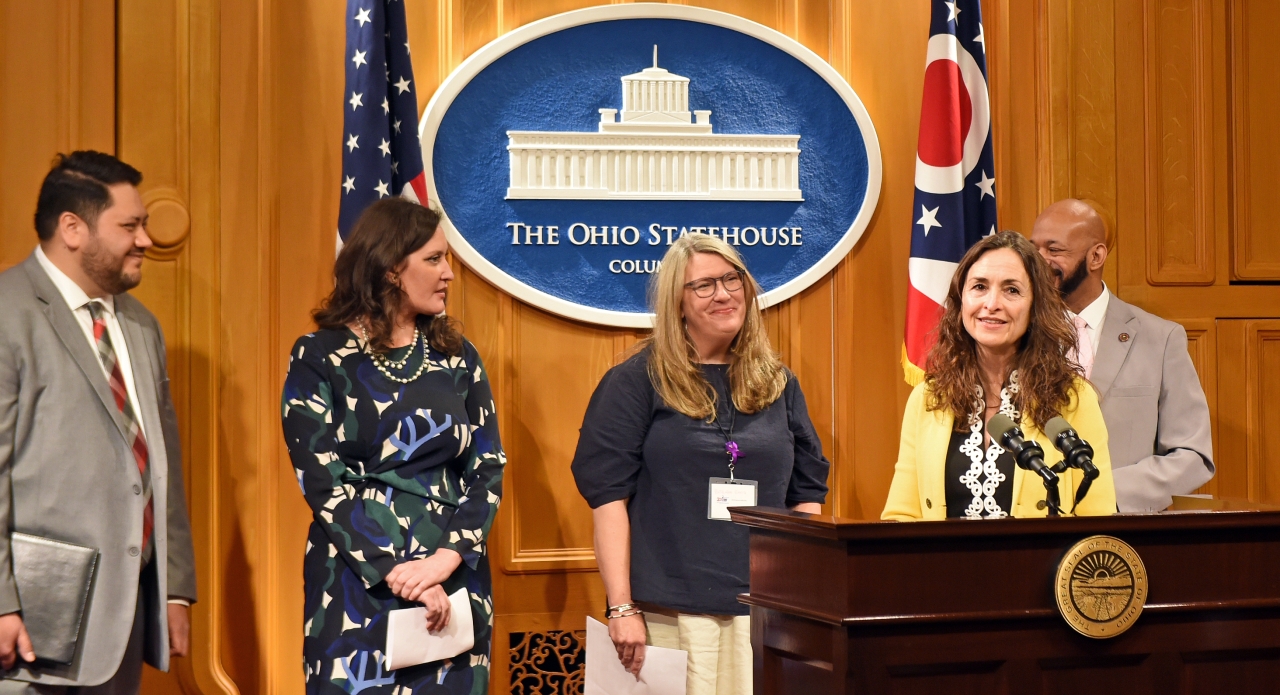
(701,417)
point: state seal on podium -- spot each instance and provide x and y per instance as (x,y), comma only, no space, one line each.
(1101,587)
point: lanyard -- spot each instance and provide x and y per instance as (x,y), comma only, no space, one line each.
(730,446)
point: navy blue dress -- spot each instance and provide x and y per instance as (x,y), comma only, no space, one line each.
(392,473)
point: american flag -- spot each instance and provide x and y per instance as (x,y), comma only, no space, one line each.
(955,201)
(380,154)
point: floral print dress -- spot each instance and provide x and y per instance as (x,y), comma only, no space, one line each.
(392,472)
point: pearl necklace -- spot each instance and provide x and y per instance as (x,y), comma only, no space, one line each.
(984,463)
(385,364)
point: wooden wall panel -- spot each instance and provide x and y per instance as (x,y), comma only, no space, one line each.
(1202,344)
(1247,435)
(1262,374)
(1255,141)
(233,110)
(1180,234)
(1076,57)
(548,523)
(57,78)
(1231,427)
(1014,31)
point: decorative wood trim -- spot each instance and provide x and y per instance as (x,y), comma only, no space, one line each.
(1246,265)
(205,673)
(1230,435)
(1179,145)
(1202,344)
(1262,383)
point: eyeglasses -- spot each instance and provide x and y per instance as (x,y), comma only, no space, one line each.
(705,287)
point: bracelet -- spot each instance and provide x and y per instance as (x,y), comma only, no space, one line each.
(624,610)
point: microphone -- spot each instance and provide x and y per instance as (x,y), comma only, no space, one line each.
(1076,452)
(1029,455)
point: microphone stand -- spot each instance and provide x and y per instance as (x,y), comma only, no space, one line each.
(1051,496)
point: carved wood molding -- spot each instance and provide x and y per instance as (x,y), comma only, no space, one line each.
(1254,98)
(1179,144)
(1262,384)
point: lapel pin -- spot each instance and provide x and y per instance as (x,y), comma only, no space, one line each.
(1124,337)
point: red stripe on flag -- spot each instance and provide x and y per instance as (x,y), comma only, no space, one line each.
(922,318)
(419,184)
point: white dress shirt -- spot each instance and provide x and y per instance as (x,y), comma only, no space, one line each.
(78,302)
(1093,316)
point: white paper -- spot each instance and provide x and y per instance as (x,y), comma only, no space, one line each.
(663,673)
(409,643)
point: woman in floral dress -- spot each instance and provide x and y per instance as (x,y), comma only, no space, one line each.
(390,425)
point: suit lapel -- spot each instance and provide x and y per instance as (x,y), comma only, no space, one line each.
(1111,351)
(142,362)
(73,338)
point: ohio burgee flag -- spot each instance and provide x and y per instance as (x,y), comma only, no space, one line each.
(955,200)
(380,152)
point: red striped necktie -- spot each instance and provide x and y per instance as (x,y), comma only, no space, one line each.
(137,442)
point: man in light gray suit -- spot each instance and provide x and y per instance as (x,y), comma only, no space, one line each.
(88,437)
(1157,417)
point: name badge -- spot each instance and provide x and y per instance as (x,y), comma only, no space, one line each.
(723,493)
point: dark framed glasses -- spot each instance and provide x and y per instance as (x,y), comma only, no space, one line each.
(705,287)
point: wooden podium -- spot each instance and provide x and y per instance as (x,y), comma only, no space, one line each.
(947,607)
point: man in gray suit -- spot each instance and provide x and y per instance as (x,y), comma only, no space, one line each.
(88,437)
(1156,414)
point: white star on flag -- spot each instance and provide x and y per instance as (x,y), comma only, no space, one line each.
(954,11)
(928,219)
(378,40)
(981,38)
(987,185)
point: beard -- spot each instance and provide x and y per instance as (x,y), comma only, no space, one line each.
(1067,284)
(107,271)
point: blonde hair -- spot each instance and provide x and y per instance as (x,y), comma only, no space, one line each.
(756,375)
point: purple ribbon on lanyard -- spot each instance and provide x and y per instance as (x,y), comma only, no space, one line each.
(731,448)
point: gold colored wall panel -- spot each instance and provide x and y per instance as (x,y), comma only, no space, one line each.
(233,110)
(1180,172)
(57,63)
(1255,141)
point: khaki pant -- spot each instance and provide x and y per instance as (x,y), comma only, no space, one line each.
(719,649)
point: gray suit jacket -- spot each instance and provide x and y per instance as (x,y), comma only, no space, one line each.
(67,473)
(1157,418)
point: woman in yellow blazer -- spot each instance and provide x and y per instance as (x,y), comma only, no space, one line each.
(1004,344)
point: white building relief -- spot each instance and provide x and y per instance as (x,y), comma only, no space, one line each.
(654,150)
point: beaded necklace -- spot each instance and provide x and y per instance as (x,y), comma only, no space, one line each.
(386,364)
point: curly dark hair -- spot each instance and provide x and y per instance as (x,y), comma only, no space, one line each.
(1046,372)
(384,236)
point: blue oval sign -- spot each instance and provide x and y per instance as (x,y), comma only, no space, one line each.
(568,154)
